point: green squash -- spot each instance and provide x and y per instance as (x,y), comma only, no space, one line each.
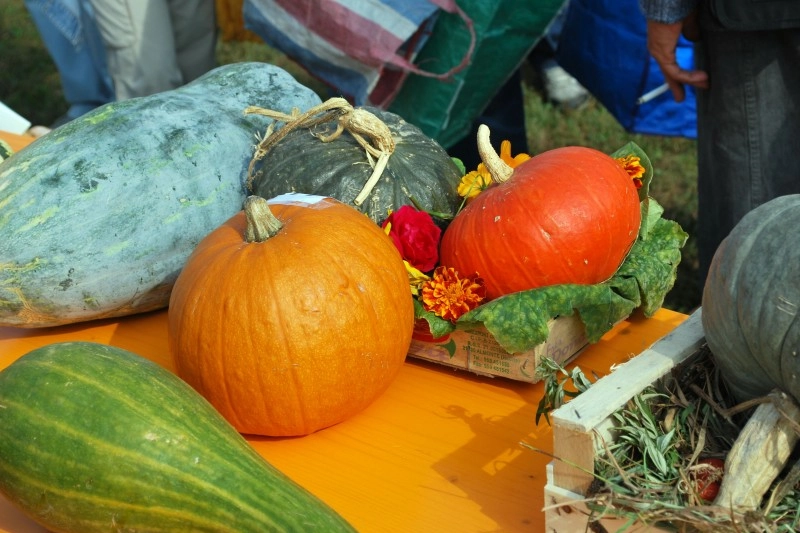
(419,170)
(98,216)
(96,439)
(751,302)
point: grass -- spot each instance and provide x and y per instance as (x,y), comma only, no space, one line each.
(30,85)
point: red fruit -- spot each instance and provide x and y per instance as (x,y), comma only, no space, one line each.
(707,478)
(569,215)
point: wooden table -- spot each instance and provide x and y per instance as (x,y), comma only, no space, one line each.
(439,451)
(16,142)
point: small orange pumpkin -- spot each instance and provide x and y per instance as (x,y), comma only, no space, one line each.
(292,316)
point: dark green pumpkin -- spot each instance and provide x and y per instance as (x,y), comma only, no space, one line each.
(419,168)
(94,438)
(751,302)
(98,217)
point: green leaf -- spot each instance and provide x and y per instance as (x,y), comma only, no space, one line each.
(519,321)
(634,149)
(439,327)
(434,214)
(653,263)
(651,214)
(555,377)
(460,164)
(645,202)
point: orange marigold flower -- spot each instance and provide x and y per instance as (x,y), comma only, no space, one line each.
(633,166)
(449,295)
(505,155)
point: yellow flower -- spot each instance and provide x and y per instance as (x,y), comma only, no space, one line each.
(415,278)
(475,182)
(633,166)
(505,155)
(450,296)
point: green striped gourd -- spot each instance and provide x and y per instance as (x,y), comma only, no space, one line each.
(5,150)
(94,438)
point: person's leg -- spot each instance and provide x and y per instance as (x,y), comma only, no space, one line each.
(748,128)
(140,46)
(195,30)
(74,43)
(505,116)
(557,85)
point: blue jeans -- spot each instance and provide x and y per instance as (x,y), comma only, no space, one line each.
(748,128)
(69,32)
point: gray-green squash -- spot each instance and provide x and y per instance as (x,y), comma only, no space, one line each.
(751,302)
(98,216)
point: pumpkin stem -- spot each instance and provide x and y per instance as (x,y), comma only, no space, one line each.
(498,169)
(261,223)
(380,166)
(367,129)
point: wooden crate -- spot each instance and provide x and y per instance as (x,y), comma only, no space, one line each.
(582,425)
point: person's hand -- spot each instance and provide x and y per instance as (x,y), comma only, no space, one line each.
(662,40)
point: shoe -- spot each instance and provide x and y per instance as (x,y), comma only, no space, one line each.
(38,131)
(561,88)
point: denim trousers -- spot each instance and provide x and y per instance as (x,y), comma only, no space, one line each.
(748,128)
(73,41)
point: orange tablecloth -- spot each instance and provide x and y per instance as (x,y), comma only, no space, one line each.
(439,451)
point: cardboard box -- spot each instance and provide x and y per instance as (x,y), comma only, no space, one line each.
(477,351)
(584,423)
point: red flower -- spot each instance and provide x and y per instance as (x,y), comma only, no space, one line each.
(415,235)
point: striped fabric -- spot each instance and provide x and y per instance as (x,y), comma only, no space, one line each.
(363,49)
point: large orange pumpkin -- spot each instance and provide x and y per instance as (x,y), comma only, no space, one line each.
(291,323)
(568,215)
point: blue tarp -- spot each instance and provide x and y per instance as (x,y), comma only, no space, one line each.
(603,44)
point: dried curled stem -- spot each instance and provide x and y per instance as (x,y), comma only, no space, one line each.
(498,169)
(371,133)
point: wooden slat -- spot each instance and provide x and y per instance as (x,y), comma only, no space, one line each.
(566,512)
(579,424)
